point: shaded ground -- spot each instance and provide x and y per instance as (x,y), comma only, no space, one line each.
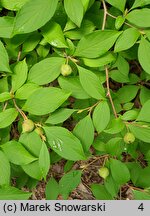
(89,176)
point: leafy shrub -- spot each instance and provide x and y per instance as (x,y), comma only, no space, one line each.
(74,85)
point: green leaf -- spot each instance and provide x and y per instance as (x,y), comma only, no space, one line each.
(139,195)
(130,115)
(59,116)
(44,160)
(120,75)
(4,84)
(119,22)
(91,83)
(143,180)
(99,62)
(69,182)
(64,143)
(31,42)
(77,33)
(127,39)
(115,146)
(26,90)
(111,186)
(13,4)
(96,44)
(144,113)
(101,116)
(5,96)
(73,85)
(68,166)
(99,144)
(119,4)
(12,193)
(7,117)
(74,10)
(52,189)
(84,131)
(144,95)
(86,4)
(50,68)
(135,170)
(119,171)
(6,26)
(4,66)
(33,15)
(144,54)
(140,3)
(20,75)
(116,125)
(16,153)
(43,51)
(33,170)
(53,34)
(123,93)
(32,142)
(140,131)
(139,17)
(45,100)
(4,169)
(100,192)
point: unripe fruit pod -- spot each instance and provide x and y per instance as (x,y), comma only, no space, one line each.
(129,138)
(27,126)
(103,172)
(39,131)
(66,70)
(119,22)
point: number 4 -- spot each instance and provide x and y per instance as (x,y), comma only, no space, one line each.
(141,207)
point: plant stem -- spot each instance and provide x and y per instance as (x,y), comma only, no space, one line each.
(114,17)
(19,110)
(5,105)
(106,69)
(89,109)
(105,15)
(19,54)
(108,92)
(135,188)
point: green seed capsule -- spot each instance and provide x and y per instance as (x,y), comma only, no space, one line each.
(27,126)
(66,70)
(129,138)
(103,172)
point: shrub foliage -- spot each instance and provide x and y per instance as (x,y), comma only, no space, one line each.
(74,85)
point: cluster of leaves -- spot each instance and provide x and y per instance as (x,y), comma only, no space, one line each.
(104,49)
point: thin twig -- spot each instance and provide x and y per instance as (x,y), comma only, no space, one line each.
(114,17)
(136,124)
(83,167)
(19,54)
(5,105)
(135,188)
(108,92)
(19,110)
(105,15)
(89,109)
